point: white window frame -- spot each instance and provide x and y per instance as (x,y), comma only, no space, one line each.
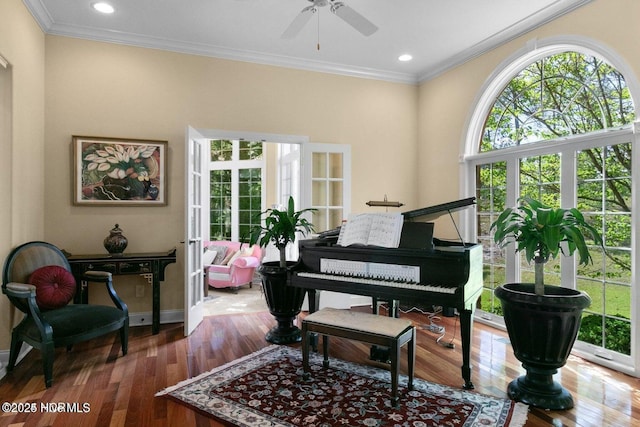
(470,158)
(234,165)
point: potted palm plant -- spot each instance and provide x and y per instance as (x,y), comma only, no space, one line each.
(280,227)
(542,320)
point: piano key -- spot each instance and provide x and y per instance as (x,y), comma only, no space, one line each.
(376,282)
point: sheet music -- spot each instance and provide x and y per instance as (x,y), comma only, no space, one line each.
(373,229)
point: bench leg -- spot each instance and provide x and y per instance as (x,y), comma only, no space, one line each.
(325,351)
(305,352)
(395,361)
(411,357)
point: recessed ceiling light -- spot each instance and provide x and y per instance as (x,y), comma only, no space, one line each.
(103,7)
(405,57)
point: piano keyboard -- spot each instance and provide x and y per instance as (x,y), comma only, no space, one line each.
(377,282)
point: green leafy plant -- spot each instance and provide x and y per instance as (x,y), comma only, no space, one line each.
(280,228)
(543,232)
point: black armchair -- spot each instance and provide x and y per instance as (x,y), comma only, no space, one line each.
(48,321)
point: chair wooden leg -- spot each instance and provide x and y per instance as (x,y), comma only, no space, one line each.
(124,339)
(47,362)
(16,345)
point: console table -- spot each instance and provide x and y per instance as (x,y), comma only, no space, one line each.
(149,265)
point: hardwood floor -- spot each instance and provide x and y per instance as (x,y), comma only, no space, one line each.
(119,391)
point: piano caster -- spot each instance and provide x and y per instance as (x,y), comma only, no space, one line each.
(306,376)
(466,376)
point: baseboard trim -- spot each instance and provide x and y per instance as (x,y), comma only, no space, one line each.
(166,316)
(4,358)
(135,319)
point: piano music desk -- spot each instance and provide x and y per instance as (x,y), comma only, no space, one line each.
(370,328)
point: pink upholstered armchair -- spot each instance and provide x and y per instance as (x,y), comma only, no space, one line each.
(228,266)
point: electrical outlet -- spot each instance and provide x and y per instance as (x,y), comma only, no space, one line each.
(139,291)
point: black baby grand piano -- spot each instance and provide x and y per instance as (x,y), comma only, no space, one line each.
(429,272)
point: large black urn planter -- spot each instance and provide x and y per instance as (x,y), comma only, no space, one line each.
(542,330)
(284,302)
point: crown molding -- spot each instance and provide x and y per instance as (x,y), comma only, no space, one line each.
(530,23)
(561,7)
(40,13)
(137,40)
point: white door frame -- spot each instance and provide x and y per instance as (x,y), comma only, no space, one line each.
(194,273)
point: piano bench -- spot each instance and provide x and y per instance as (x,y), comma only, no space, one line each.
(365,327)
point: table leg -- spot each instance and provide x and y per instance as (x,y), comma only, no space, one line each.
(155,327)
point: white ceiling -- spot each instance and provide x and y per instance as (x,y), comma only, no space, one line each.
(439,34)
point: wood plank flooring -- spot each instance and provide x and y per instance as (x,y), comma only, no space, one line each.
(112,390)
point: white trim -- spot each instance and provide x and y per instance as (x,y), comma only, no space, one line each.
(144,318)
(508,34)
(254,57)
(253,136)
(548,14)
(4,358)
(234,165)
(532,51)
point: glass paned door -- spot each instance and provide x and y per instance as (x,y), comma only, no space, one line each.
(194,274)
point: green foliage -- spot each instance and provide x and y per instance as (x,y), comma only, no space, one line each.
(542,232)
(566,94)
(539,230)
(617,333)
(280,228)
(560,96)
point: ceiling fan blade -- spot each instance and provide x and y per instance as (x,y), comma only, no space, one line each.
(299,22)
(353,18)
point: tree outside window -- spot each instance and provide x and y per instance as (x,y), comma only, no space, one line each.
(536,131)
(236,188)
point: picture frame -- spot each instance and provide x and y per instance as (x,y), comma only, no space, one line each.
(119,171)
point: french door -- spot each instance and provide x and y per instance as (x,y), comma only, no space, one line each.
(194,275)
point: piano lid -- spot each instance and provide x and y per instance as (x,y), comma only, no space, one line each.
(435,211)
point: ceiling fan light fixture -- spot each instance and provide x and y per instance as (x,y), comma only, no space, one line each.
(405,57)
(338,8)
(103,7)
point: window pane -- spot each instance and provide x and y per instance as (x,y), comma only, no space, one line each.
(490,193)
(221,150)
(555,97)
(561,95)
(250,150)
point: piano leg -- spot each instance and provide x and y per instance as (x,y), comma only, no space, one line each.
(466,329)
(379,353)
(314,304)
(394,307)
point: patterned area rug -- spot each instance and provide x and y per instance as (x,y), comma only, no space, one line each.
(265,388)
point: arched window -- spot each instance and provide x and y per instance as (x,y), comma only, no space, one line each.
(559,128)
(565,94)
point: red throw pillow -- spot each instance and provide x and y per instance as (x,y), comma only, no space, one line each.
(55,286)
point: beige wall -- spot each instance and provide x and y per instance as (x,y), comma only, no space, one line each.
(446,102)
(22,159)
(111,90)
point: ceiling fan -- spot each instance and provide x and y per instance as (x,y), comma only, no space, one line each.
(347,14)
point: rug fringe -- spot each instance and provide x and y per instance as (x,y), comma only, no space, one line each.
(519,415)
(204,374)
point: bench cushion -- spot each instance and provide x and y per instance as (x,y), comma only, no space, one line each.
(365,322)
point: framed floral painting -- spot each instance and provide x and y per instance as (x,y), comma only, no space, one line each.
(124,172)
